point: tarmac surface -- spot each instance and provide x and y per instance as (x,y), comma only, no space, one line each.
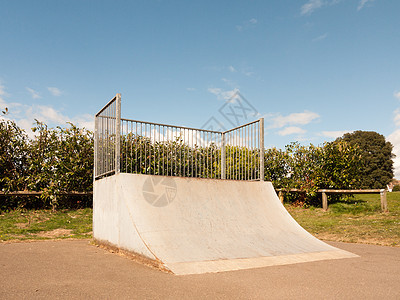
(76,269)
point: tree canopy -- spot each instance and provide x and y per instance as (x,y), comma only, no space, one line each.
(376,169)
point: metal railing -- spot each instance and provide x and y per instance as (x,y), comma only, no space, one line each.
(131,146)
(243,152)
(159,149)
(107,138)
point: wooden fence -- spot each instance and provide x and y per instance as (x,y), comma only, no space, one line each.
(31,193)
(325,192)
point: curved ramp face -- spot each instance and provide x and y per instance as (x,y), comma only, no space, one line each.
(196,226)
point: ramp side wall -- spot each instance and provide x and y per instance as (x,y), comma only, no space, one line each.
(112,217)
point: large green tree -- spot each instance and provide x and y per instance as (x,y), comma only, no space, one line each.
(376,170)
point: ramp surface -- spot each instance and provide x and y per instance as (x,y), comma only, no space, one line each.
(196,226)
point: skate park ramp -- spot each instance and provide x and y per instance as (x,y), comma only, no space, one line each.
(194,226)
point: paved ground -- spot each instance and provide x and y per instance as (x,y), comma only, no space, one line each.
(76,269)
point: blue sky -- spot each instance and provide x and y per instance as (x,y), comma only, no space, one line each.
(314,69)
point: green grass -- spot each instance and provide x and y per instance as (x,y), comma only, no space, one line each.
(45,224)
(357,220)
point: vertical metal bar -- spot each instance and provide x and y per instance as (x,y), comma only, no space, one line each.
(261,124)
(192,150)
(96,141)
(223,156)
(118,134)
(163,150)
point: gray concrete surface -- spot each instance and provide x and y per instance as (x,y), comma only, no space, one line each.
(196,225)
(77,270)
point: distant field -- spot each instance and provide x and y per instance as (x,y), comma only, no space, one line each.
(356,220)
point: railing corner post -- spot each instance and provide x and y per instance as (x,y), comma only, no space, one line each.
(261,131)
(118,135)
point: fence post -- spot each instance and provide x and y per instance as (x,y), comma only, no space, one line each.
(384,207)
(118,134)
(324,201)
(261,131)
(223,156)
(280,195)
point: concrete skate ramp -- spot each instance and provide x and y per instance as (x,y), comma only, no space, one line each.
(194,226)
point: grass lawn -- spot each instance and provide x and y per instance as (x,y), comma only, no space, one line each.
(357,220)
(45,224)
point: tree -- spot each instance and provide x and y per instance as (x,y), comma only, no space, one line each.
(376,170)
(13,154)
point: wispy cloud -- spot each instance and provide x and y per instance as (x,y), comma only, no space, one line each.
(232,69)
(394,138)
(396,117)
(54,91)
(25,114)
(302,118)
(334,134)
(190,89)
(320,38)
(2,90)
(395,94)
(362,3)
(291,130)
(247,24)
(311,6)
(229,82)
(221,94)
(34,94)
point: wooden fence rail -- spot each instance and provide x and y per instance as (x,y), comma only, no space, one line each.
(32,193)
(324,192)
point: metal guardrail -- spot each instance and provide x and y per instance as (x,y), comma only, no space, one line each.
(132,146)
(160,149)
(107,138)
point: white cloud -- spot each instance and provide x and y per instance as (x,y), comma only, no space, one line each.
(311,6)
(395,94)
(320,38)
(54,91)
(303,118)
(291,130)
(190,89)
(394,138)
(248,73)
(232,69)
(2,90)
(34,94)
(362,3)
(224,95)
(247,24)
(334,134)
(396,117)
(229,82)
(24,115)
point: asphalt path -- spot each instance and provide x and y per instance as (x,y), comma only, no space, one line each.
(75,269)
